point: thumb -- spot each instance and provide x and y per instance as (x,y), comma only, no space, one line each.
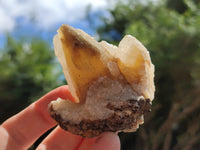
(107,141)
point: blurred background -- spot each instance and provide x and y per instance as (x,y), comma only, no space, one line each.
(170,30)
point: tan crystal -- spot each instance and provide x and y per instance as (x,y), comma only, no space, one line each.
(84,60)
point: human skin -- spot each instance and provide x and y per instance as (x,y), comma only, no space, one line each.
(23,129)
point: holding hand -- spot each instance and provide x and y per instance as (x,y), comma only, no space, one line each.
(22,130)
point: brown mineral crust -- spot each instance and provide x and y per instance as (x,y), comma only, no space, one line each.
(125,117)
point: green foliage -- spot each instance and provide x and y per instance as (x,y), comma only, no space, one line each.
(28,70)
(172,36)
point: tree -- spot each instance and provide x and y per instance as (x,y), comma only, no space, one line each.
(28,70)
(172,37)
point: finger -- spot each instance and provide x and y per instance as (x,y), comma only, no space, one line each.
(42,104)
(107,141)
(60,140)
(87,144)
(25,127)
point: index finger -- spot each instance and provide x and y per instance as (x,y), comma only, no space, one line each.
(28,125)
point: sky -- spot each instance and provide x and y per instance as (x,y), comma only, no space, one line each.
(43,17)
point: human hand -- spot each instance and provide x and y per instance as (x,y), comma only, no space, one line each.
(22,130)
